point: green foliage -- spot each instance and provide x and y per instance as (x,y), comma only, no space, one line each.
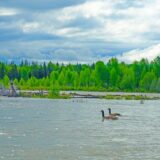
(128,80)
(101,74)
(158,85)
(112,76)
(54,90)
(6,81)
(146,81)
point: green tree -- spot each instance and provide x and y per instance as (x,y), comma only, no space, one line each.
(158,86)
(13,72)
(153,85)
(2,70)
(85,77)
(6,81)
(147,80)
(101,74)
(113,78)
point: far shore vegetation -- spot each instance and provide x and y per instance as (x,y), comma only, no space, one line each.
(139,76)
(57,95)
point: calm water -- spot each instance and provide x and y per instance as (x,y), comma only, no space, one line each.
(42,129)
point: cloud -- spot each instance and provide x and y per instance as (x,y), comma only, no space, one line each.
(8,11)
(100,20)
(149,53)
(30,27)
(82,30)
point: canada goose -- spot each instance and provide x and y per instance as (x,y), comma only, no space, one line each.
(113,114)
(112,117)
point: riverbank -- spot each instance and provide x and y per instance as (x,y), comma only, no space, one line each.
(56,94)
(113,95)
(88,94)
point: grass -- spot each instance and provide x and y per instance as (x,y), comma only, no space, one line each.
(130,97)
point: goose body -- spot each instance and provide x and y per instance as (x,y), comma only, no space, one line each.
(113,114)
(109,117)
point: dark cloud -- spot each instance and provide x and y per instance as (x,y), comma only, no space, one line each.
(17,35)
(9,34)
(71,51)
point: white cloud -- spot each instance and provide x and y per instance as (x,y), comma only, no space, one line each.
(93,25)
(8,11)
(30,27)
(113,23)
(149,53)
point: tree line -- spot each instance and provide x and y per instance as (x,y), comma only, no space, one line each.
(139,76)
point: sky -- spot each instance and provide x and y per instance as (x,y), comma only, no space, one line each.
(82,31)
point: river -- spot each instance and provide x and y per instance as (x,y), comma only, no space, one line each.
(72,129)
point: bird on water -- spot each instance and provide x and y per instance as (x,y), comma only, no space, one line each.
(109,117)
(113,114)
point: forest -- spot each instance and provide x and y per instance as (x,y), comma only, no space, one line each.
(139,76)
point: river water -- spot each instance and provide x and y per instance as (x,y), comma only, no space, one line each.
(45,129)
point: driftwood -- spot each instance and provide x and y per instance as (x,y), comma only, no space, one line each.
(76,95)
(12,91)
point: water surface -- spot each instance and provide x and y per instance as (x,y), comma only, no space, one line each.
(38,129)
